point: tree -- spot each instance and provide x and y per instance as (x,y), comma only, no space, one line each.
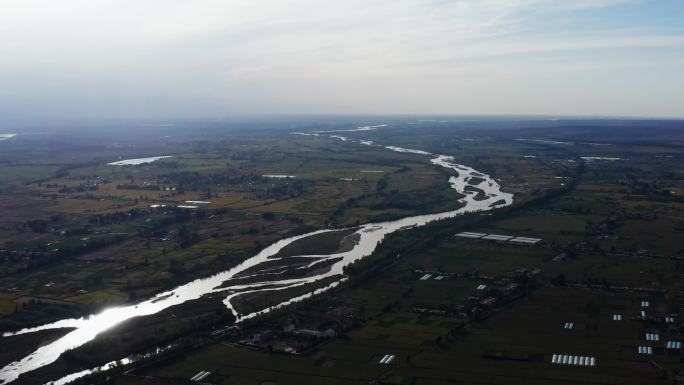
(559,280)
(37,225)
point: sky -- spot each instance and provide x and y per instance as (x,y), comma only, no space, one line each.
(158,60)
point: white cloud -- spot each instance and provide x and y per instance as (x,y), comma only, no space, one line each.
(214,56)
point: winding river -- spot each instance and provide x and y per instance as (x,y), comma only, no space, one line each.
(486,195)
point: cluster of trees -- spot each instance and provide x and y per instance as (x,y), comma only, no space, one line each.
(195,181)
(117,217)
(284,190)
(61,251)
(70,249)
(133,186)
(187,238)
(83,187)
(37,225)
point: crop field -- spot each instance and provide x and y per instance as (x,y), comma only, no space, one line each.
(85,235)
(612,343)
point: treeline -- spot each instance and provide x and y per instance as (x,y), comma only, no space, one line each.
(60,252)
(195,180)
(148,187)
(42,255)
(287,188)
(76,248)
(64,189)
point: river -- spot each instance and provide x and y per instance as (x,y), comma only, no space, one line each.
(369,237)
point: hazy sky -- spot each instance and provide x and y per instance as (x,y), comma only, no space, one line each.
(164,59)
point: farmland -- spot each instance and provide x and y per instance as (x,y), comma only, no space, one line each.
(596,260)
(450,309)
